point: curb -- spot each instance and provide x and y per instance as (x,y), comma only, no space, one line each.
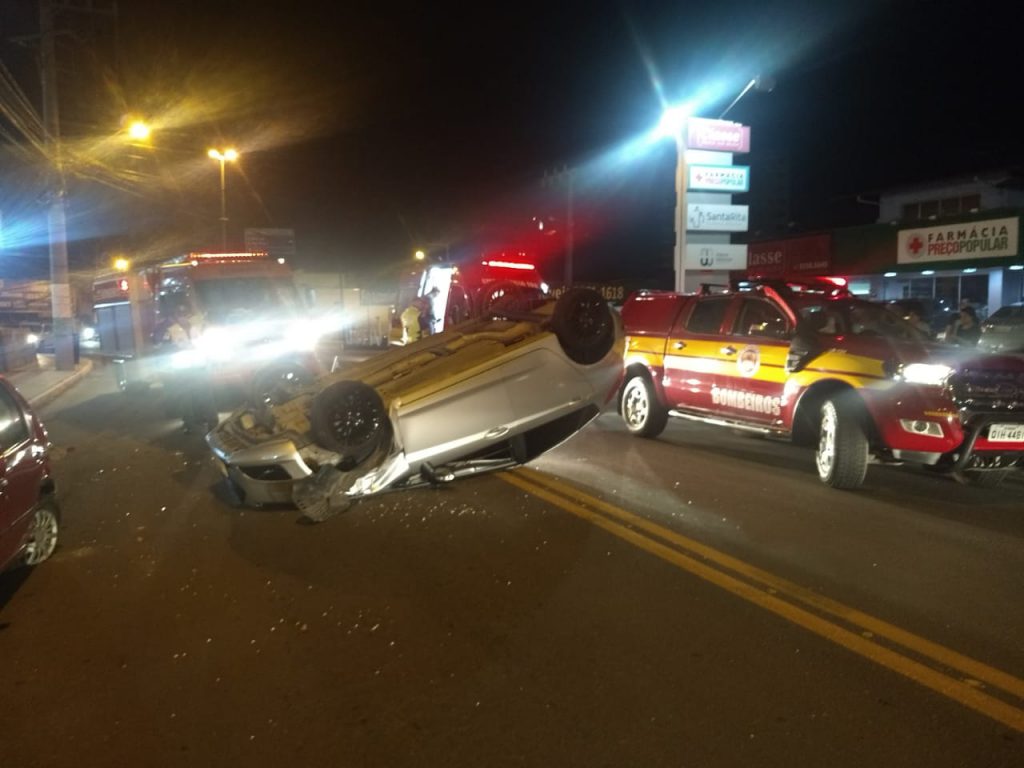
(83,370)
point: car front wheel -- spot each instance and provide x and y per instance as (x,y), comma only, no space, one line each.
(842,453)
(42,535)
(643,414)
(278,382)
(349,418)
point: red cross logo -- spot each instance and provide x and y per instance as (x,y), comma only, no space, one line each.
(915,245)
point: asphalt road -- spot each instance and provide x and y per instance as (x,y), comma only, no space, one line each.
(696,600)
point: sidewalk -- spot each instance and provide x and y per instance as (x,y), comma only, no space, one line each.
(42,384)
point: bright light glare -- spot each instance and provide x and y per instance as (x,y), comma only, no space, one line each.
(890,274)
(673,119)
(420,255)
(227,154)
(121,264)
(32,338)
(88,333)
(139,131)
(926,373)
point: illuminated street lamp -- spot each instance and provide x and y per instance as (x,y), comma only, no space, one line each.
(420,255)
(139,130)
(228,155)
(121,264)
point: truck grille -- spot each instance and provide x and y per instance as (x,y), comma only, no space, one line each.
(979,389)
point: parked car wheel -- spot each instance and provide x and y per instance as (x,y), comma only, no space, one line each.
(278,382)
(583,323)
(348,417)
(842,453)
(42,535)
(981,479)
(643,414)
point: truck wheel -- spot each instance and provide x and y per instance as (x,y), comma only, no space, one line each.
(842,453)
(583,323)
(348,417)
(643,414)
(981,478)
(277,383)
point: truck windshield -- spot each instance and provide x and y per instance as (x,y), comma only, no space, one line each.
(245,298)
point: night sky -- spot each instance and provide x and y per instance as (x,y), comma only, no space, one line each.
(376,129)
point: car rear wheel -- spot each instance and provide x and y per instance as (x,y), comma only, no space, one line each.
(643,414)
(42,535)
(989,478)
(842,453)
(348,417)
(583,323)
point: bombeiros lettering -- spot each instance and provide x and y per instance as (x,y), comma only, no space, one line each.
(746,401)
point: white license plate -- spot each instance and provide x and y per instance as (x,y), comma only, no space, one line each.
(1006,433)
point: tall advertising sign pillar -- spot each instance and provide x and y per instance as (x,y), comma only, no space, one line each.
(706,179)
(679,260)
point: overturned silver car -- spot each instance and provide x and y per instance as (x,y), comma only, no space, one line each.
(488,394)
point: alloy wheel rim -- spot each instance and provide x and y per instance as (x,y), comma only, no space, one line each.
(42,539)
(827,440)
(636,406)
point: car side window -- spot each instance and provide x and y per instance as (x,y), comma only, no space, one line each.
(760,318)
(13,429)
(707,315)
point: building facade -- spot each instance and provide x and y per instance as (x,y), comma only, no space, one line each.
(943,243)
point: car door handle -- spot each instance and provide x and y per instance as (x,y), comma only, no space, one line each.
(496,432)
(679,345)
(728,350)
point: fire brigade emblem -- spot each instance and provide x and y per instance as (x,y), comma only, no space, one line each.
(748,361)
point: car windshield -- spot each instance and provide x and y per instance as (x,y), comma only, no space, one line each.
(245,298)
(856,318)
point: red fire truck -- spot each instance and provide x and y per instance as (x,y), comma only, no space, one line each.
(248,323)
(469,288)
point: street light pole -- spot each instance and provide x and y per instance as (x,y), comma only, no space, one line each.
(223,210)
(222,157)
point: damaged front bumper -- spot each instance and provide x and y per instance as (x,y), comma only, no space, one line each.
(276,471)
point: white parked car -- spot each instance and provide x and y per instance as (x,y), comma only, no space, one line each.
(487,394)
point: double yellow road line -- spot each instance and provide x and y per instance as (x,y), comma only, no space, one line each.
(992,692)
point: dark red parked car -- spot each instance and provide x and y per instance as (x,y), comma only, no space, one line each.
(29,516)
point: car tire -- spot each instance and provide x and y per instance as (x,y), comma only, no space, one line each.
(278,382)
(43,533)
(583,323)
(644,415)
(842,453)
(348,418)
(989,478)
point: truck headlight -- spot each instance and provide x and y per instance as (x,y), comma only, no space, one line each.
(929,374)
(216,344)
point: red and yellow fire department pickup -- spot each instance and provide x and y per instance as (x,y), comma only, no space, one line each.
(808,361)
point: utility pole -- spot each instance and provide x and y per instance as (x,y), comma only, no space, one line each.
(566,176)
(60,290)
(569,227)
